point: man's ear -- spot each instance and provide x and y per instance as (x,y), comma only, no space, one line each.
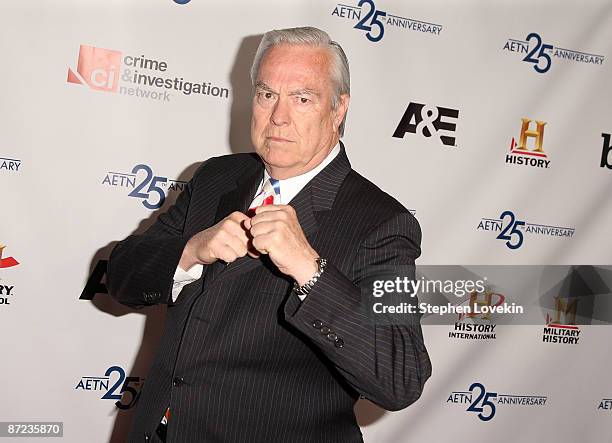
(343,105)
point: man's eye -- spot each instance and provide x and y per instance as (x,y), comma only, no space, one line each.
(303,100)
(265,95)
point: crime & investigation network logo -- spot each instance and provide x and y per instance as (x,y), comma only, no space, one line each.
(521,154)
(110,70)
(125,390)
(9,165)
(143,184)
(7,289)
(478,324)
(541,55)
(430,121)
(512,231)
(373,22)
(484,404)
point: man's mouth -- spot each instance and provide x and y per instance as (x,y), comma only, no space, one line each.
(278,139)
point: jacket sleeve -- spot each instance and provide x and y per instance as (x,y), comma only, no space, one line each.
(141,267)
(386,363)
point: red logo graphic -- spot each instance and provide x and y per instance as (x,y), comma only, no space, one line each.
(7,262)
(97,67)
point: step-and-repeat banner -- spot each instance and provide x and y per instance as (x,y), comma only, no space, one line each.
(490,121)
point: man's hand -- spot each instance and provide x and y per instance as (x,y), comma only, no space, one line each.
(227,241)
(276,231)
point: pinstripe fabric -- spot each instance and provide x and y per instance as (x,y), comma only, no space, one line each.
(253,368)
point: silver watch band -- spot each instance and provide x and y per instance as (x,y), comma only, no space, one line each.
(307,287)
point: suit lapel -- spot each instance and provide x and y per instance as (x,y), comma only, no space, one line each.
(238,198)
(317,196)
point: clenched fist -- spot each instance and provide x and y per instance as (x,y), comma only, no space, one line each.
(276,231)
(227,241)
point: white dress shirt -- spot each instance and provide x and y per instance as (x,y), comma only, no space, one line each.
(289,188)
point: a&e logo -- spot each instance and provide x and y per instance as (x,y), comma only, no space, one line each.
(372,21)
(143,184)
(124,385)
(484,403)
(511,230)
(430,121)
(540,54)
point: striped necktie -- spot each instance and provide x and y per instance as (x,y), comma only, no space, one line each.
(269,195)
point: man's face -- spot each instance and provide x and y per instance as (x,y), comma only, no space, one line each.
(294,127)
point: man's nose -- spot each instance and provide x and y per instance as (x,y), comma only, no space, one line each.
(280,113)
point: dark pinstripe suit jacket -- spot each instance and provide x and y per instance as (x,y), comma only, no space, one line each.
(241,358)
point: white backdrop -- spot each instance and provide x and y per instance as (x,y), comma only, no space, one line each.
(65,146)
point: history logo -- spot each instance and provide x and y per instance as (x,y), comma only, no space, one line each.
(521,153)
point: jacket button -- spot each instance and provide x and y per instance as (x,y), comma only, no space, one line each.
(325,330)
(177,381)
(317,324)
(147,436)
(146,296)
(332,336)
(339,343)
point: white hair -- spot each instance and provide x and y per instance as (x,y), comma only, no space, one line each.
(339,67)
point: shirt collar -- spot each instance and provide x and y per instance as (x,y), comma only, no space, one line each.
(290,187)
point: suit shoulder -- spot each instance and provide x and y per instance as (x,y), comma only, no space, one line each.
(371,201)
(229,166)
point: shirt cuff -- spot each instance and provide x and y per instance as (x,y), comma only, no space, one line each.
(182,278)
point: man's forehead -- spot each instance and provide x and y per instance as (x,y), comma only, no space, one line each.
(296,66)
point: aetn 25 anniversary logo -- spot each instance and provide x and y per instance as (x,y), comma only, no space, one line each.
(541,55)
(511,230)
(144,185)
(373,22)
(125,390)
(484,403)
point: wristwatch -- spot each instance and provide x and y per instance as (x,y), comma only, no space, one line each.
(306,287)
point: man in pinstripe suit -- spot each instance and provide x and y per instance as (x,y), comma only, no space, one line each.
(266,337)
